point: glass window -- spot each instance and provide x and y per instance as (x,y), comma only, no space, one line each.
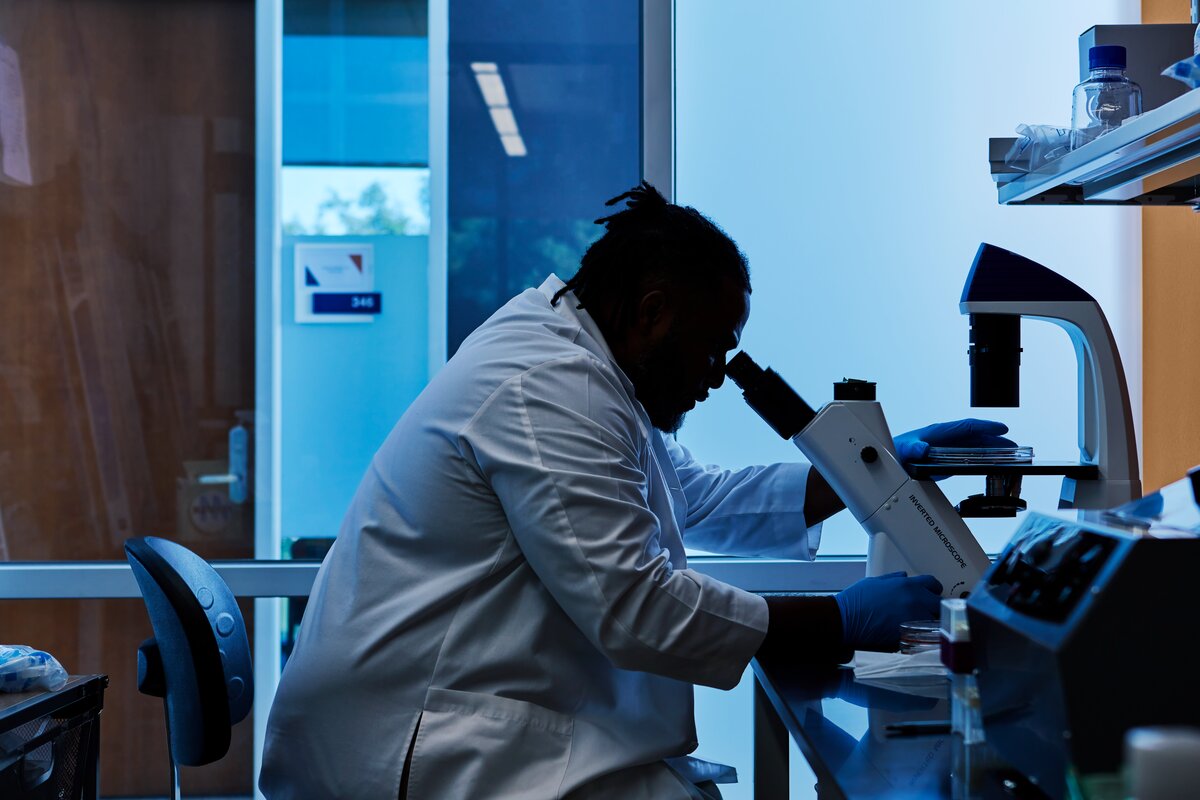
(127,197)
(355,173)
(545,125)
(355,201)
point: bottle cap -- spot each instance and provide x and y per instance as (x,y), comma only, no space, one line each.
(1106,56)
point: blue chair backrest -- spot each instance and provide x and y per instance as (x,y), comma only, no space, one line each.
(199,658)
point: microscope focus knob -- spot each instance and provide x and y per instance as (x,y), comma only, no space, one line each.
(869,455)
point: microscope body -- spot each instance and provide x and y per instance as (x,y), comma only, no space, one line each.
(912,526)
(1001,289)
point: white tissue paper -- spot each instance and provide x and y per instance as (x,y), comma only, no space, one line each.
(892,665)
(23,669)
(921,674)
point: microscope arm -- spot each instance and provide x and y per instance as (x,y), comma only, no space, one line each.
(912,525)
(1105,414)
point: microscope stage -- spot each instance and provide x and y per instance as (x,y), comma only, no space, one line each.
(1069,469)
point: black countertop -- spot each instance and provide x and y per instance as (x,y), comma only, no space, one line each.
(884,742)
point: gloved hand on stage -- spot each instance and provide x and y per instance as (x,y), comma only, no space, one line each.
(912,446)
(873,608)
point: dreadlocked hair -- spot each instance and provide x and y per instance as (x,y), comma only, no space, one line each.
(651,240)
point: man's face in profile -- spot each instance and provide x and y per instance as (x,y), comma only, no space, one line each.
(676,372)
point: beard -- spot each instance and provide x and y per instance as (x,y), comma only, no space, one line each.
(657,383)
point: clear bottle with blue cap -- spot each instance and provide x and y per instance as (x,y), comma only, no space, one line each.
(1106,99)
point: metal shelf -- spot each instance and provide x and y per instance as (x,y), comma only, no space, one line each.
(1151,160)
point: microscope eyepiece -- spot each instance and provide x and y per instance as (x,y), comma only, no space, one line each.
(742,370)
(770,396)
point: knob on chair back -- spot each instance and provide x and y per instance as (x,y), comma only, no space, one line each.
(199,658)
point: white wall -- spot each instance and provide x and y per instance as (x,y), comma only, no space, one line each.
(844,146)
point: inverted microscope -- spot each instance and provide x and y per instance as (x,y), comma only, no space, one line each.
(912,526)
(1003,288)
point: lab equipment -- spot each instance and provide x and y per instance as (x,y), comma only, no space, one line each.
(912,526)
(199,658)
(1106,99)
(958,658)
(919,636)
(1035,146)
(979,455)
(1162,763)
(1001,289)
(1077,637)
(873,609)
(23,669)
(955,636)
(1148,48)
(963,433)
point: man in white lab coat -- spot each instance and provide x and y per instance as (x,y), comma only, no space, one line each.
(507,611)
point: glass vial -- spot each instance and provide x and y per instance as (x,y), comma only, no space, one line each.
(1106,99)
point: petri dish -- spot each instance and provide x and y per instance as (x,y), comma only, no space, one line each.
(979,455)
(920,635)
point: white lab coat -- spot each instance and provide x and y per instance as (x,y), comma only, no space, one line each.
(509,596)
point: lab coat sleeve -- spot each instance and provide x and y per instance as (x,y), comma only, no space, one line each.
(561,448)
(756,511)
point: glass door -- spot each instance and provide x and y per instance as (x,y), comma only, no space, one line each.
(127,191)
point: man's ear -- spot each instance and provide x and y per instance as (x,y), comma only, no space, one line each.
(653,314)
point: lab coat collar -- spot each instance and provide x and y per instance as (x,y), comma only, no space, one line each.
(592,339)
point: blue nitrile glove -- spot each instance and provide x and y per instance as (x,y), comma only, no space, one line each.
(912,446)
(873,608)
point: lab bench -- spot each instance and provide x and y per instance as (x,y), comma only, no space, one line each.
(863,740)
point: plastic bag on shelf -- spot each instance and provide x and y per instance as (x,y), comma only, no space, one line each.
(1187,71)
(24,669)
(1037,145)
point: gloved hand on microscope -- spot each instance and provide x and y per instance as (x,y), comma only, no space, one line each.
(821,502)
(872,609)
(911,447)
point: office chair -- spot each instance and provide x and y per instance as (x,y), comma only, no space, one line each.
(198,660)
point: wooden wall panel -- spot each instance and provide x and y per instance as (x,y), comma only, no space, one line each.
(139,120)
(1170,323)
(1170,343)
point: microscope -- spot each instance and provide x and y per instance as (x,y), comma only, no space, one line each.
(1001,289)
(912,526)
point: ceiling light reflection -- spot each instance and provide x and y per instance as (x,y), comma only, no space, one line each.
(495,96)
